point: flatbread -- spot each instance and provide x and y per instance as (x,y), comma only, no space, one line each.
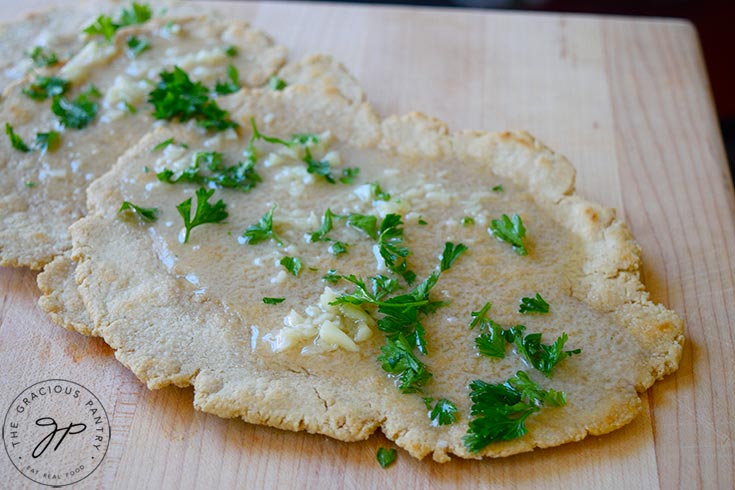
(192,314)
(43,193)
(61,31)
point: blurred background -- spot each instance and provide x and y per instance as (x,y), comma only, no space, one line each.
(713,20)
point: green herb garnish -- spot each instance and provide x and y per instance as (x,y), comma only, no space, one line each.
(177,97)
(231,85)
(165,143)
(43,57)
(292,265)
(140,13)
(204,213)
(450,254)
(536,304)
(331,277)
(444,412)
(262,230)
(378,193)
(76,114)
(498,188)
(500,411)
(543,357)
(386,457)
(391,248)
(15,140)
(45,87)
(276,83)
(320,235)
(30,184)
(242,176)
(137,45)
(273,301)
(145,214)
(510,230)
(366,223)
(49,141)
(106,27)
(231,51)
(338,248)
(467,221)
(349,175)
(397,358)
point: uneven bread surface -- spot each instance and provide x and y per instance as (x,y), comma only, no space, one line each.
(43,192)
(192,313)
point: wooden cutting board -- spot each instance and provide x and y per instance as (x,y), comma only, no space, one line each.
(626,100)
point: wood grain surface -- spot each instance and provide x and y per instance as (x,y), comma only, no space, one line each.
(626,100)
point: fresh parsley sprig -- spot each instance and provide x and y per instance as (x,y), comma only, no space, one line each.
(231,85)
(15,140)
(273,301)
(145,214)
(77,114)
(177,97)
(106,27)
(535,304)
(386,457)
(46,87)
(510,230)
(137,45)
(443,412)
(262,230)
(204,213)
(500,411)
(292,265)
(43,57)
(392,248)
(241,176)
(450,254)
(397,358)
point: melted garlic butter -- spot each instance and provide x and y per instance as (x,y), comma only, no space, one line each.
(219,268)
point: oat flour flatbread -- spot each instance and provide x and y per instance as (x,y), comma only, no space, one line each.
(193,313)
(44,192)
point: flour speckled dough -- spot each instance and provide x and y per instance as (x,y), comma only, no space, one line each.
(191,314)
(34,220)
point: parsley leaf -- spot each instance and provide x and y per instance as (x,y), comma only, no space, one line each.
(49,141)
(386,457)
(145,214)
(42,57)
(444,411)
(318,167)
(262,230)
(273,301)
(500,411)
(292,265)
(378,193)
(104,26)
(140,13)
(541,356)
(510,230)
(79,113)
(44,87)
(536,304)
(450,254)
(498,188)
(331,277)
(276,83)
(338,248)
(15,140)
(366,223)
(349,175)
(177,97)
(242,176)
(320,235)
(391,248)
(397,358)
(204,213)
(231,51)
(467,221)
(231,85)
(137,45)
